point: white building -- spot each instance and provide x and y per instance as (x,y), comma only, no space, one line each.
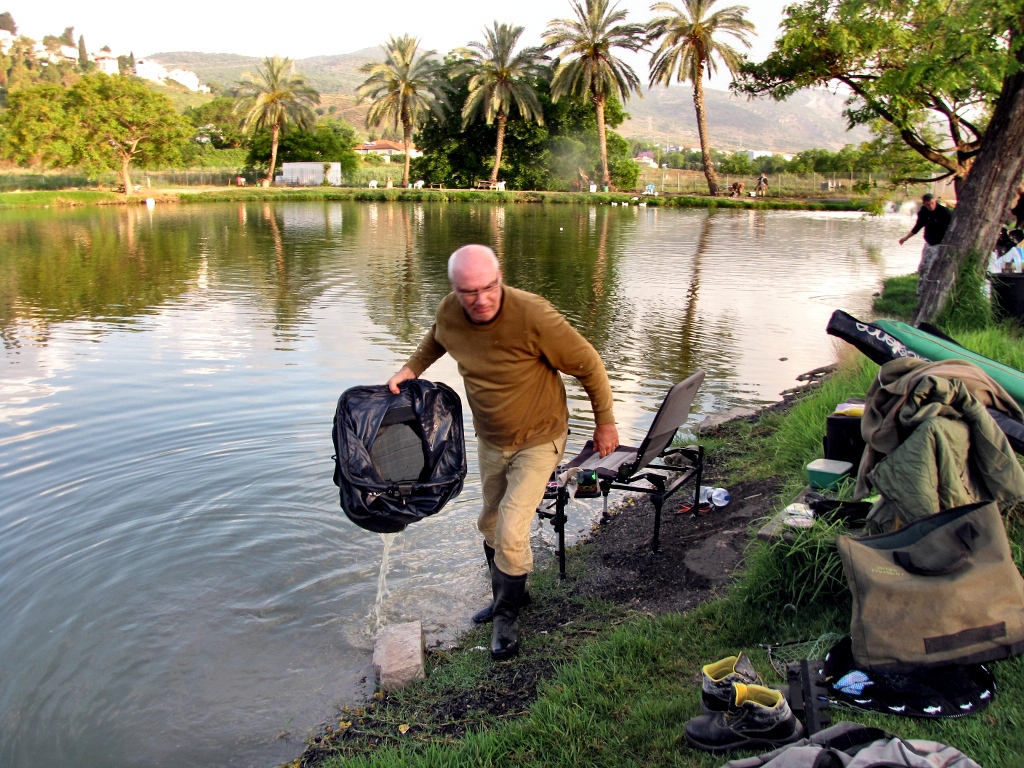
(646,158)
(107,63)
(386,148)
(753,154)
(148,69)
(309,174)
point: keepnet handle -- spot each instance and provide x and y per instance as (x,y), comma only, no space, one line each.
(966,533)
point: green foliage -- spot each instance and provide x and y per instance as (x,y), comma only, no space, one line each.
(404,87)
(276,97)
(331,141)
(895,56)
(216,122)
(7,23)
(690,40)
(34,129)
(739,164)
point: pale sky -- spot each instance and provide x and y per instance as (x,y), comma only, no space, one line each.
(262,28)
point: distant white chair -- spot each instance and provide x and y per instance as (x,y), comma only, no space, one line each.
(373,183)
(418,184)
(500,186)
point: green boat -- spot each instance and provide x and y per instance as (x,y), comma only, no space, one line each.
(934,347)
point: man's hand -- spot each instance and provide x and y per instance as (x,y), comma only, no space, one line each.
(403,375)
(606,438)
(903,240)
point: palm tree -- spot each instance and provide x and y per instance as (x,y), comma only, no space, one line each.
(586,65)
(688,47)
(276,98)
(500,81)
(403,88)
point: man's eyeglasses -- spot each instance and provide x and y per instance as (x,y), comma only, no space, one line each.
(475,293)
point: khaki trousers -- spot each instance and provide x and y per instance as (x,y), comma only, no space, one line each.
(513,487)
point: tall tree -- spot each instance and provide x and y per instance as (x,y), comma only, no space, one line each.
(7,23)
(586,63)
(402,89)
(688,49)
(501,81)
(277,97)
(988,190)
(114,122)
(915,64)
(68,36)
(83,54)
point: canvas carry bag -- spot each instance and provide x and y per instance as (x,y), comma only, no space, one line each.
(943,590)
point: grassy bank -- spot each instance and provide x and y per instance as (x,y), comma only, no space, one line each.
(246,194)
(622,684)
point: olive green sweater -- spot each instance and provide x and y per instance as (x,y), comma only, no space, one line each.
(511,368)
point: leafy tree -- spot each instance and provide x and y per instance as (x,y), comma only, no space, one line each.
(34,129)
(587,66)
(216,122)
(501,80)
(113,122)
(68,36)
(689,48)
(737,163)
(330,141)
(7,23)
(126,64)
(914,64)
(402,89)
(276,98)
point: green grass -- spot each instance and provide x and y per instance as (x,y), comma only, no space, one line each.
(57,199)
(898,297)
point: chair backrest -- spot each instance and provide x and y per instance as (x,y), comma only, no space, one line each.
(673,413)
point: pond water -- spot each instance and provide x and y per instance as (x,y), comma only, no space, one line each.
(178,585)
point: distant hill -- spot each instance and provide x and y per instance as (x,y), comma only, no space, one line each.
(328,74)
(808,119)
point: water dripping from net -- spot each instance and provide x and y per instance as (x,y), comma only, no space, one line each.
(382,577)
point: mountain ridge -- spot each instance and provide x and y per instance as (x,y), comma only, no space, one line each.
(808,119)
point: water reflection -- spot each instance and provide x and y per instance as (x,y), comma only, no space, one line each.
(177,583)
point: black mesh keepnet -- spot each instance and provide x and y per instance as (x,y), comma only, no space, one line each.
(399,458)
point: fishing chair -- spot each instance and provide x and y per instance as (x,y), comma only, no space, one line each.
(587,475)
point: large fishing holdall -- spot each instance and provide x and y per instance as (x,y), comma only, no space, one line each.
(398,458)
(943,590)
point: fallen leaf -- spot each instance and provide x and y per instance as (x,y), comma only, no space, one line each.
(403,728)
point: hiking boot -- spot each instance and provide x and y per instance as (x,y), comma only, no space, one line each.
(509,592)
(716,689)
(757,718)
(486,614)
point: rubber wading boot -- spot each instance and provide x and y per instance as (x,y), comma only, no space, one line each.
(757,718)
(486,614)
(508,599)
(716,688)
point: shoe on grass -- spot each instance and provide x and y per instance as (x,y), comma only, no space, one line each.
(716,688)
(757,718)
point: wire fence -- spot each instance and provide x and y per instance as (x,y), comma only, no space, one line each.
(675,181)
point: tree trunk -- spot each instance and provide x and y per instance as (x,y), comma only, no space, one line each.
(275,134)
(126,176)
(407,128)
(606,178)
(702,131)
(982,198)
(502,119)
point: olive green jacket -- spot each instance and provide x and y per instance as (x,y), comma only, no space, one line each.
(932,445)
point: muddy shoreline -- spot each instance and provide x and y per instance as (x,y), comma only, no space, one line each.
(613,574)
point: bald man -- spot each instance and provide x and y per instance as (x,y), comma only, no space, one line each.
(511,346)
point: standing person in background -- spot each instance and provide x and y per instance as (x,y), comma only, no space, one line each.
(934,218)
(511,347)
(762,185)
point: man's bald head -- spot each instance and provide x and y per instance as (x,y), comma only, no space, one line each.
(472,259)
(475,275)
